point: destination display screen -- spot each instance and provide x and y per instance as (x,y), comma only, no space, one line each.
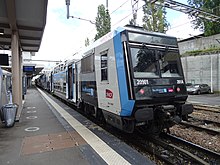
(152,39)
(28,68)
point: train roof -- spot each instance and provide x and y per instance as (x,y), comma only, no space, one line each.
(142,30)
(118,30)
(4,72)
(111,35)
(72,61)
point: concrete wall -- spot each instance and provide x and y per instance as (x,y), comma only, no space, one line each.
(201,43)
(202,69)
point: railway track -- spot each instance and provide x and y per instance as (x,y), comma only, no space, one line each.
(215,109)
(165,148)
(208,126)
(209,113)
(196,153)
(173,150)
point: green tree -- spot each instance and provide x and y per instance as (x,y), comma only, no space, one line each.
(103,22)
(207,26)
(155,17)
(87,42)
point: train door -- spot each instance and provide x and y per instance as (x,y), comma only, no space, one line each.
(78,80)
(67,82)
(70,82)
(74,82)
(51,81)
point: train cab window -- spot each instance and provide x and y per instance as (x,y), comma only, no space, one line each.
(144,63)
(169,64)
(104,67)
(87,65)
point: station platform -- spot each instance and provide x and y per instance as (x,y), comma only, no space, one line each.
(51,133)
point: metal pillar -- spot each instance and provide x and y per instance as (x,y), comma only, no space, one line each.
(134,4)
(211,75)
(16,74)
(218,74)
(21,75)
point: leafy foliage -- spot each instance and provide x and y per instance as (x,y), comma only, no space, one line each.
(207,26)
(155,17)
(103,22)
(213,50)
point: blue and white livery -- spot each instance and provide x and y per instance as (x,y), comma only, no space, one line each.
(131,79)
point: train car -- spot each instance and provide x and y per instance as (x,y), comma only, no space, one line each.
(5,87)
(7,80)
(131,78)
(43,82)
(58,79)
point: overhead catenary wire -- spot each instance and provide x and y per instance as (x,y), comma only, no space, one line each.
(91,31)
(127,15)
(119,7)
(83,19)
(93,22)
(196,12)
(179,25)
(112,13)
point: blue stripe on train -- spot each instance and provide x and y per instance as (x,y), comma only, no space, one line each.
(126,104)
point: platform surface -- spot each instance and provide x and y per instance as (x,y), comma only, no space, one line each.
(51,133)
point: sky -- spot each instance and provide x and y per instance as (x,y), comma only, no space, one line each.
(64,37)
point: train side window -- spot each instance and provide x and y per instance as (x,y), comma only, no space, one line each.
(87,64)
(104,67)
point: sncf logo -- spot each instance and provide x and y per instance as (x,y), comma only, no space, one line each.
(108,94)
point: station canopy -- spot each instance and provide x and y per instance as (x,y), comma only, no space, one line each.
(27,18)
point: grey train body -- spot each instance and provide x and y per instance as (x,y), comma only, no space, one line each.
(130,78)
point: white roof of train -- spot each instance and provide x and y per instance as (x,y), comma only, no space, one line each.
(110,35)
(4,72)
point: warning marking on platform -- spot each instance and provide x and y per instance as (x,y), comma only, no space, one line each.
(31,117)
(31,111)
(32,129)
(31,107)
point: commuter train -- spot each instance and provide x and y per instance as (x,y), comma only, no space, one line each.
(5,89)
(44,80)
(129,78)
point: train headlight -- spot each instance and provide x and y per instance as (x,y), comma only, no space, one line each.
(178,89)
(141,91)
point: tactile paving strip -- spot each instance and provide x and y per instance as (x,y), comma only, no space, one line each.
(51,142)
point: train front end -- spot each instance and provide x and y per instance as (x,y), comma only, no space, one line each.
(156,80)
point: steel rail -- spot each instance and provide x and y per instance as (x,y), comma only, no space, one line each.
(209,131)
(206,108)
(180,152)
(199,125)
(212,154)
(190,118)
